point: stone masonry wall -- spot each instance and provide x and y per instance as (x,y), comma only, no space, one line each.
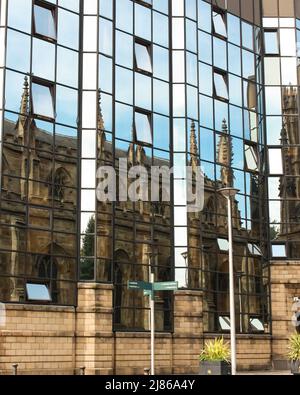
(61,340)
(39,338)
(285,285)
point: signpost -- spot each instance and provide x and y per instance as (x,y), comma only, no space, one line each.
(149,290)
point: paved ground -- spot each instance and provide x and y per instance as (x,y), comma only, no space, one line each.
(267,373)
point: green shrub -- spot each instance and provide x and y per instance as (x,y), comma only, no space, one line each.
(216,350)
(294,348)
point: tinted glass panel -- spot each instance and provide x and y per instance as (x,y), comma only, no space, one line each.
(44,22)
(220,86)
(219,24)
(142,58)
(143,128)
(42,100)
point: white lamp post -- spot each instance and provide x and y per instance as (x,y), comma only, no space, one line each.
(152,310)
(229,194)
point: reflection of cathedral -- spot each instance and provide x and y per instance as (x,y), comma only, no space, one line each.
(38,201)
(290,181)
(206,264)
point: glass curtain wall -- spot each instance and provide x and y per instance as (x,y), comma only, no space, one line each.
(39,151)
(126,116)
(161,83)
(232,154)
(281,41)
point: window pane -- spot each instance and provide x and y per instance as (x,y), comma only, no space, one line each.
(68,25)
(278,251)
(142,58)
(219,24)
(287,42)
(124,49)
(38,292)
(224,323)
(223,244)
(42,100)
(44,22)
(273,101)
(43,59)
(67,67)
(247,35)
(220,53)
(289,71)
(160,62)
(19,14)
(160,29)
(124,85)
(66,105)
(143,91)
(143,128)
(220,86)
(205,76)
(234,59)
(251,158)
(205,47)
(105,36)
(272,70)
(235,90)
(275,161)
(234,29)
(271,43)
(142,22)
(124,15)
(204,16)
(18,51)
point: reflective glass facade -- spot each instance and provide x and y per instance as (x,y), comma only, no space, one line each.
(39,149)
(160,83)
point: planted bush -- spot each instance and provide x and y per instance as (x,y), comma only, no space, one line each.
(294,348)
(215,351)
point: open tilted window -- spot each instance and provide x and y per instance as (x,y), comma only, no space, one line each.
(219,24)
(44,23)
(42,100)
(37,292)
(143,57)
(143,128)
(220,84)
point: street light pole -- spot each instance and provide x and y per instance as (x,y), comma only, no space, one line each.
(229,194)
(152,321)
(152,311)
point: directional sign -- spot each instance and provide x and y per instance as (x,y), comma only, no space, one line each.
(148,292)
(166,286)
(139,285)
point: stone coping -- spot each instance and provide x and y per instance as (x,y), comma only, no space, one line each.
(285,263)
(103,310)
(188,315)
(240,336)
(188,292)
(142,335)
(106,286)
(40,307)
(29,333)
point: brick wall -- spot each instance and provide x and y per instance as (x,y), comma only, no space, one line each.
(285,285)
(60,340)
(38,338)
(253,351)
